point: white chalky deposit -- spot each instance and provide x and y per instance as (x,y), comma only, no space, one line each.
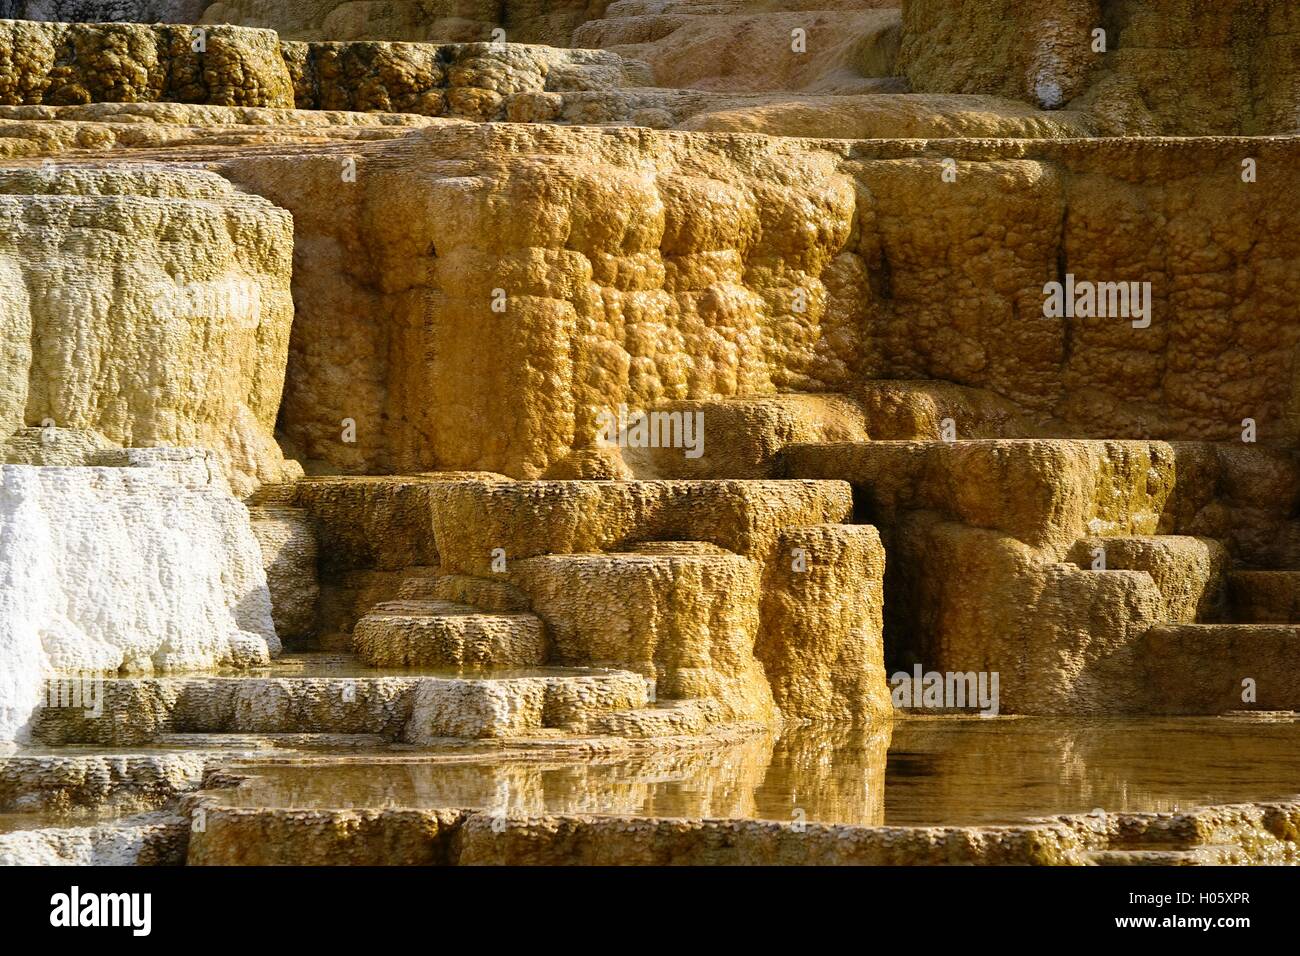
(123,570)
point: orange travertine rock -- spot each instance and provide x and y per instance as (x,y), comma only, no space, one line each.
(642,422)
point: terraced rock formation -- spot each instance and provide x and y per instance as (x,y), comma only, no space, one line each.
(645,401)
(148,566)
(1150,68)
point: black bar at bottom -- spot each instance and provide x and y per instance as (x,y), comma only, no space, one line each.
(655,906)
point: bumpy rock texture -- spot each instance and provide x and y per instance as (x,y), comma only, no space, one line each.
(434,269)
(148,304)
(108,570)
(750,595)
(1258,834)
(56,64)
(672,267)
(1162,67)
(61,64)
(1055,564)
(524,21)
(289,554)
(151,839)
(1127,68)
(97,11)
(658,66)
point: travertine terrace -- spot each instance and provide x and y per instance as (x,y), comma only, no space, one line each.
(590,418)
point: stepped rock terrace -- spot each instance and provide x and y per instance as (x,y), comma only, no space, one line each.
(324,538)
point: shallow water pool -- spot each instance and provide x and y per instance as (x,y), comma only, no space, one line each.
(920,771)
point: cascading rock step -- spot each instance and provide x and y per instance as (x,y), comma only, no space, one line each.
(414,633)
(417,709)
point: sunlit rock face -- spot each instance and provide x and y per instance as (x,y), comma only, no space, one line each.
(69,63)
(1158,67)
(133,570)
(143,840)
(718,367)
(483,293)
(148,304)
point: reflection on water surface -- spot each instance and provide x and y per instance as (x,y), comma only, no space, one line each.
(919,772)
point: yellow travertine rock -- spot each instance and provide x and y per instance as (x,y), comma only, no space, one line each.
(69,64)
(1160,67)
(641,424)
(149,304)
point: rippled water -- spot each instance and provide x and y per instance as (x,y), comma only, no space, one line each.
(917,772)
